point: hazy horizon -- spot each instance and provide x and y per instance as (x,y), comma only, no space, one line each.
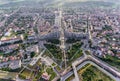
(12,1)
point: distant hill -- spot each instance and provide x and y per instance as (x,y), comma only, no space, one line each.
(90,3)
(19,4)
(66,3)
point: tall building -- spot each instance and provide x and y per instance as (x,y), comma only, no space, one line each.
(58,15)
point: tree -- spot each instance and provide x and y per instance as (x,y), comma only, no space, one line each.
(25,36)
(32,54)
(25,56)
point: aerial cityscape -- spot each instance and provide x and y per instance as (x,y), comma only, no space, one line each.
(59,40)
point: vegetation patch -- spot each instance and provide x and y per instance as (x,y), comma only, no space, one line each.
(72,40)
(55,50)
(53,41)
(51,73)
(74,49)
(25,74)
(91,73)
(112,60)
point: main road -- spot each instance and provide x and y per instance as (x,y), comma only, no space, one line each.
(62,36)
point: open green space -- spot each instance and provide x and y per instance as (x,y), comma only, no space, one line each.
(49,54)
(55,53)
(51,73)
(25,74)
(36,74)
(72,76)
(7,75)
(75,48)
(55,50)
(11,70)
(91,73)
(78,54)
(112,60)
(58,68)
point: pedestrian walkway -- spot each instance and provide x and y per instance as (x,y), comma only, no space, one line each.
(75,72)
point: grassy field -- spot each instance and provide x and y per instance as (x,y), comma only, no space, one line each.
(36,75)
(91,73)
(58,68)
(52,73)
(55,50)
(73,50)
(25,74)
(7,75)
(78,54)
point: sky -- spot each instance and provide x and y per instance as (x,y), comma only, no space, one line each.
(8,1)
